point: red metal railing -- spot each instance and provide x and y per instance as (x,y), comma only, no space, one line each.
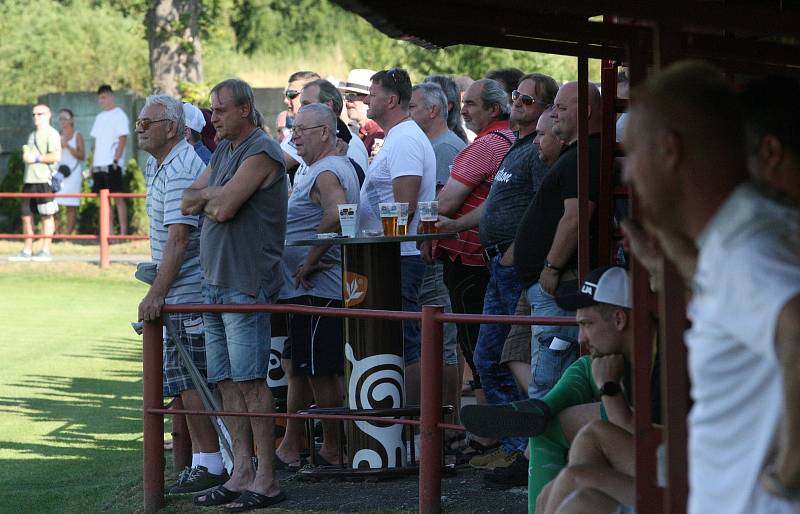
(430,420)
(104,236)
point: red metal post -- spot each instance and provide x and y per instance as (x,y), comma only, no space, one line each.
(105,227)
(152,377)
(583,166)
(181,440)
(430,460)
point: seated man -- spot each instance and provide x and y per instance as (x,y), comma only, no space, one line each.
(603,314)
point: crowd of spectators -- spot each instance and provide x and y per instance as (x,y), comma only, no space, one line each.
(500,154)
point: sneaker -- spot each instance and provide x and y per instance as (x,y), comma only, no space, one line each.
(197,480)
(489,460)
(513,475)
(21,257)
(524,418)
(42,256)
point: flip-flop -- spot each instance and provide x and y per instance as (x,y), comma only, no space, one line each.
(219,495)
(277,463)
(249,500)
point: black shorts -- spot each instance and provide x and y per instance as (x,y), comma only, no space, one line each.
(110,179)
(40,206)
(315,345)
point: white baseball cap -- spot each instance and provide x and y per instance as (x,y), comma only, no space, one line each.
(609,284)
(358,80)
(194,117)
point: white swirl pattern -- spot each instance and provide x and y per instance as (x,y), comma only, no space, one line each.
(374,379)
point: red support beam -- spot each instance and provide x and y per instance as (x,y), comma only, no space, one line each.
(583,167)
(608,140)
(152,378)
(430,461)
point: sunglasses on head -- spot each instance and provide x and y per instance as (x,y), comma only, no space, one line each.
(525,99)
(291,94)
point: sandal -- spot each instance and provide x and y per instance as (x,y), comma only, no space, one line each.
(249,500)
(219,495)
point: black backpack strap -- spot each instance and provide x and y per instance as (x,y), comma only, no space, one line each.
(510,142)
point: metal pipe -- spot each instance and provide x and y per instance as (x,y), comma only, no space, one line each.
(583,166)
(430,465)
(152,378)
(105,228)
(344,417)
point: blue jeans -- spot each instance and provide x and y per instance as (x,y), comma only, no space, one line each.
(412,271)
(433,291)
(547,364)
(502,294)
(237,345)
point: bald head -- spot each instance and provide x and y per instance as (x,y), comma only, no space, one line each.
(565,111)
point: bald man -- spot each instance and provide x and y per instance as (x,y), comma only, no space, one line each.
(545,254)
(687,165)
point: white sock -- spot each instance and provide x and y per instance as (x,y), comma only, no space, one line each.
(211,461)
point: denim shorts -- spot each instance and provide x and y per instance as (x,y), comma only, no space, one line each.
(237,345)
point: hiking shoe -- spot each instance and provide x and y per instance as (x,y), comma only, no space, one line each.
(42,256)
(22,256)
(489,460)
(524,418)
(513,475)
(197,480)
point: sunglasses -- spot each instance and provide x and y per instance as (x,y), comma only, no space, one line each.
(525,99)
(144,123)
(352,96)
(291,94)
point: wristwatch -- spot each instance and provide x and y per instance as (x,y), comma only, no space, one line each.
(610,389)
(549,265)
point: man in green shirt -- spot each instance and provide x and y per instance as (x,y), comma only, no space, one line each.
(40,155)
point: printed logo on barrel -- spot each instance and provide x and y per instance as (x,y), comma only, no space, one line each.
(354,288)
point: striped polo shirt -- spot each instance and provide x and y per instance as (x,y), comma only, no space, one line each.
(165,186)
(475,167)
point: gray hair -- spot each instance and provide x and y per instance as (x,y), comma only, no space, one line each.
(242,94)
(433,96)
(325,116)
(173,110)
(493,93)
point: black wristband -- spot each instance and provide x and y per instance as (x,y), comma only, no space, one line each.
(610,389)
(549,265)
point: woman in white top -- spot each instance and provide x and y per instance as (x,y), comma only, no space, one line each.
(72,155)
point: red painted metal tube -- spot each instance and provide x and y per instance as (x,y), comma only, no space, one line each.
(54,236)
(430,463)
(49,195)
(127,237)
(105,228)
(152,378)
(340,417)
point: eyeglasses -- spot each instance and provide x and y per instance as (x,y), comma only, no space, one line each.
(291,94)
(352,96)
(299,131)
(144,123)
(526,99)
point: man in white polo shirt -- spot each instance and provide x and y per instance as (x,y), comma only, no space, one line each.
(686,162)
(404,170)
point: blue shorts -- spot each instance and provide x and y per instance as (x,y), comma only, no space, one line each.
(237,345)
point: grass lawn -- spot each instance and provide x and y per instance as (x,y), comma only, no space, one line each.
(70,389)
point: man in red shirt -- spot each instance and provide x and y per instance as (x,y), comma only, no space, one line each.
(485,109)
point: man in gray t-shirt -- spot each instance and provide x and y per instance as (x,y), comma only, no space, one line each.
(243,196)
(314,352)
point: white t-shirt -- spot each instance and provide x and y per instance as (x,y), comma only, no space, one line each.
(355,150)
(748,268)
(406,150)
(108,127)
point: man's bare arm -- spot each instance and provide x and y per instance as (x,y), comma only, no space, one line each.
(787,347)
(255,172)
(406,190)
(465,222)
(168,269)
(193,201)
(565,243)
(452,197)
(120,151)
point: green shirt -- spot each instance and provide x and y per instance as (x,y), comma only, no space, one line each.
(42,141)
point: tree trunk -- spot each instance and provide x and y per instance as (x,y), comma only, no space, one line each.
(173,35)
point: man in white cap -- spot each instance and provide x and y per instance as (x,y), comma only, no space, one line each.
(355,89)
(194,125)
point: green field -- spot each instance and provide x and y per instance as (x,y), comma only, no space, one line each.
(70,389)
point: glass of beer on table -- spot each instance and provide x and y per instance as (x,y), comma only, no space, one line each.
(428,216)
(389,214)
(402,219)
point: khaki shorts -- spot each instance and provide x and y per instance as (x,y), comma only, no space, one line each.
(518,343)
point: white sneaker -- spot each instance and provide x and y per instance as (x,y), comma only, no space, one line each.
(22,256)
(42,256)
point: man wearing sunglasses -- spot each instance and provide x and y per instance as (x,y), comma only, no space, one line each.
(355,90)
(291,99)
(516,182)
